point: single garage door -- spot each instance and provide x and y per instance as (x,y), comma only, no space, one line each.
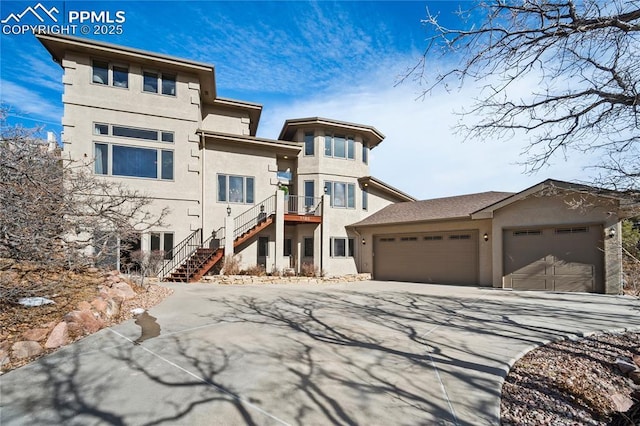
(564,258)
(437,257)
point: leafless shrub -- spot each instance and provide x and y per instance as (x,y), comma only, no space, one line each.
(309,270)
(55,211)
(256,271)
(147,264)
(231,265)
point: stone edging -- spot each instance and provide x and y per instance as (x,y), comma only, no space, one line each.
(251,279)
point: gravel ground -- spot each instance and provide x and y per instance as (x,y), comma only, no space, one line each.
(572,382)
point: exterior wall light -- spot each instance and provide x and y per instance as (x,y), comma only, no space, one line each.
(485,237)
(228,210)
(611,232)
(364,241)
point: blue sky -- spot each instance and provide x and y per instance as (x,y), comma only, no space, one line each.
(332,59)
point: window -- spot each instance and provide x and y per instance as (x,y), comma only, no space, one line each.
(575,230)
(287,247)
(365,199)
(433,238)
(409,239)
(387,240)
(365,154)
(134,161)
(309,146)
(342,247)
(459,237)
(163,241)
(235,189)
(130,161)
(110,75)
(527,232)
(309,190)
(130,132)
(339,147)
(100,72)
(101,160)
(154,82)
(103,129)
(341,194)
(121,77)
(308,247)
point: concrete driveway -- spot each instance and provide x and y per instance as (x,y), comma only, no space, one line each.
(365,353)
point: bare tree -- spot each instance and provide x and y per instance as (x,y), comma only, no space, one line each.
(55,212)
(584,56)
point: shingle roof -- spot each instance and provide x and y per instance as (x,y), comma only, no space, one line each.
(436,209)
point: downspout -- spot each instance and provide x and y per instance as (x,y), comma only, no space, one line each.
(359,255)
(203,148)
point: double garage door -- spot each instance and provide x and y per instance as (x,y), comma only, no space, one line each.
(437,257)
(566,258)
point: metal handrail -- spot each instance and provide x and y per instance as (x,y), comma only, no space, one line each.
(304,206)
(181,252)
(254,216)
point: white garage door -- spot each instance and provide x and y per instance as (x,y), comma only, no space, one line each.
(436,257)
(565,258)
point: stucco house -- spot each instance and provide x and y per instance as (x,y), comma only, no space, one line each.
(155,123)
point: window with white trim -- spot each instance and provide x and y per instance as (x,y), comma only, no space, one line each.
(365,153)
(133,161)
(116,130)
(342,247)
(158,82)
(235,189)
(339,146)
(163,241)
(365,199)
(309,144)
(341,194)
(108,74)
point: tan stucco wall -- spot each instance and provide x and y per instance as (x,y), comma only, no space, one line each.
(481,226)
(225,121)
(553,210)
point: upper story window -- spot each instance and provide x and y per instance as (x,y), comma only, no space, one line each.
(309,145)
(110,75)
(365,154)
(339,147)
(131,161)
(235,189)
(341,194)
(365,199)
(157,82)
(104,129)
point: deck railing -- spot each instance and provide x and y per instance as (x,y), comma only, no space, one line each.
(254,216)
(181,252)
(304,206)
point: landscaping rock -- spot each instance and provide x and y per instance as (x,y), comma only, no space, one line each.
(636,360)
(625,366)
(4,357)
(26,349)
(36,334)
(635,377)
(81,322)
(58,337)
(126,290)
(621,402)
(84,306)
(100,305)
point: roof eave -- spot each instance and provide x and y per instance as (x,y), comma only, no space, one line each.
(57,45)
(283,147)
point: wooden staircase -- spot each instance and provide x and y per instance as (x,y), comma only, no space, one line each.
(203,259)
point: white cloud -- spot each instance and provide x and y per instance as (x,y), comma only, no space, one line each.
(27,102)
(420,154)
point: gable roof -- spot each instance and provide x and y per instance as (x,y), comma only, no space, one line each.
(459,207)
(550,185)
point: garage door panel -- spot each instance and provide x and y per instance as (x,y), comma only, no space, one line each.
(567,258)
(573,268)
(442,257)
(573,284)
(529,283)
